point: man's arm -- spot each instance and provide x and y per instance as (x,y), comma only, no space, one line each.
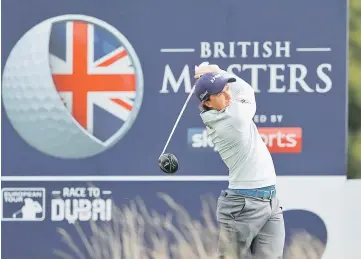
(203,68)
(243,106)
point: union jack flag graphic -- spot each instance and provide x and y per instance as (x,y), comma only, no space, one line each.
(94,76)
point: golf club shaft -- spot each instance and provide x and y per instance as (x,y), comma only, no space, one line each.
(179,116)
(16,213)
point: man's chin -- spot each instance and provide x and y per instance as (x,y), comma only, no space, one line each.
(225,107)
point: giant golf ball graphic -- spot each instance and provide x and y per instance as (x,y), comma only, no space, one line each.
(36,109)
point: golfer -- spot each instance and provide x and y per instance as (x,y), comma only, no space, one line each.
(248,211)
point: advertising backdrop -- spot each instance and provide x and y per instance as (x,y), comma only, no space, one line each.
(91,91)
(124,73)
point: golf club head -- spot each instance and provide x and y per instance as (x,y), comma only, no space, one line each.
(168,163)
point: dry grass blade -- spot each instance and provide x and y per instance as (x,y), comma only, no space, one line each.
(70,242)
(136,233)
(62,254)
(83,238)
(304,246)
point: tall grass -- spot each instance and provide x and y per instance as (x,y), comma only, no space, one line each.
(137,233)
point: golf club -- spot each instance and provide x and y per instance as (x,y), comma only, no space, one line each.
(168,162)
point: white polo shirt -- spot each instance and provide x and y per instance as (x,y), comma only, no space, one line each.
(238,142)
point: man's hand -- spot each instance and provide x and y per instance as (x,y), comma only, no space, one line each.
(203,68)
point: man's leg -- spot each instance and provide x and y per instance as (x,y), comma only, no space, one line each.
(227,243)
(233,244)
(235,236)
(269,242)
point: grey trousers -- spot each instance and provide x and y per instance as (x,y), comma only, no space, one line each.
(249,227)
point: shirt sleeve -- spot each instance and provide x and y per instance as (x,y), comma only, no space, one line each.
(243,105)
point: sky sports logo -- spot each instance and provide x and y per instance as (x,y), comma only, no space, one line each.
(282,140)
(278,140)
(199,139)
